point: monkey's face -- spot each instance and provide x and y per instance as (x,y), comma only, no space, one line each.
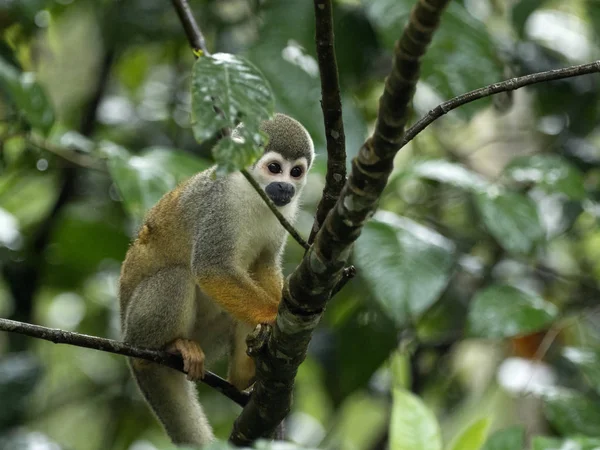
(281,179)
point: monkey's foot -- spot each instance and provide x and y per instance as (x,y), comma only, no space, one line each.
(192,355)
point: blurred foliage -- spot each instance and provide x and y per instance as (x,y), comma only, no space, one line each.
(473,321)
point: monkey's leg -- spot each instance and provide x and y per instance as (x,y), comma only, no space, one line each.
(241,366)
(161,313)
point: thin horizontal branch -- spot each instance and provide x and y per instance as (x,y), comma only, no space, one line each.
(111,346)
(331,104)
(504,86)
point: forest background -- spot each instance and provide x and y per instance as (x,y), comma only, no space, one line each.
(474,309)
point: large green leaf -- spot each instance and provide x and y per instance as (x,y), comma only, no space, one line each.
(511,218)
(511,438)
(588,361)
(143,179)
(240,93)
(28,96)
(405,264)
(462,46)
(503,311)
(472,437)
(552,173)
(572,412)
(413,426)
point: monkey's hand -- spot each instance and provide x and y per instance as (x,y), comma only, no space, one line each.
(192,355)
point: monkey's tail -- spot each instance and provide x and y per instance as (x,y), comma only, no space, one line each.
(174,401)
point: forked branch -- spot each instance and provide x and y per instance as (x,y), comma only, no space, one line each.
(310,286)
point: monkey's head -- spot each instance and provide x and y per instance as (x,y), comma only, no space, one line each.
(281,170)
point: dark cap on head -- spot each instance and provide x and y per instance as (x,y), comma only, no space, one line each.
(288,137)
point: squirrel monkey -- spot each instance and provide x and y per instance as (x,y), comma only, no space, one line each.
(204,270)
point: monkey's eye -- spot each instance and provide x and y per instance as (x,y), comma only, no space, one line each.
(296,172)
(274,167)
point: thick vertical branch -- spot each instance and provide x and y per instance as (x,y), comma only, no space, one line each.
(331,104)
(309,287)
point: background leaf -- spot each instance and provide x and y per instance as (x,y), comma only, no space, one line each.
(450,173)
(572,412)
(588,361)
(504,311)
(413,426)
(405,264)
(241,93)
(511,438)
(511,218)
(143,179)
(28,96)
(472,437)
(552,173)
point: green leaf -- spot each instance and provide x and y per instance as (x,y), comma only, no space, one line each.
(413,426)
(572,412)
(405,264)
(511,218)
(504,311)
(240,93)
(472,437)
(462,46)
(511,438)
(143,179)
(548,443)
(28,96)
(552,173)
(19,373)
(521,11)
(449,173)
(575,443)
(588,361)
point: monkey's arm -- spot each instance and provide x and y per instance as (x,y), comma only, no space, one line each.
(239,294)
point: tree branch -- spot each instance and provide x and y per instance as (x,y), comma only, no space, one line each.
(331,104)
(196,41)
(504,86)
(309,287)
(111,346)
(192,30)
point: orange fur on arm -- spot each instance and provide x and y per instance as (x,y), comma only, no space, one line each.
(270,279)
(241,297)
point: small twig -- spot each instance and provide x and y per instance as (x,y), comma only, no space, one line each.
(192,30)
(331,104)
(504,86)
(290,229)
(67,154)
(109,345)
